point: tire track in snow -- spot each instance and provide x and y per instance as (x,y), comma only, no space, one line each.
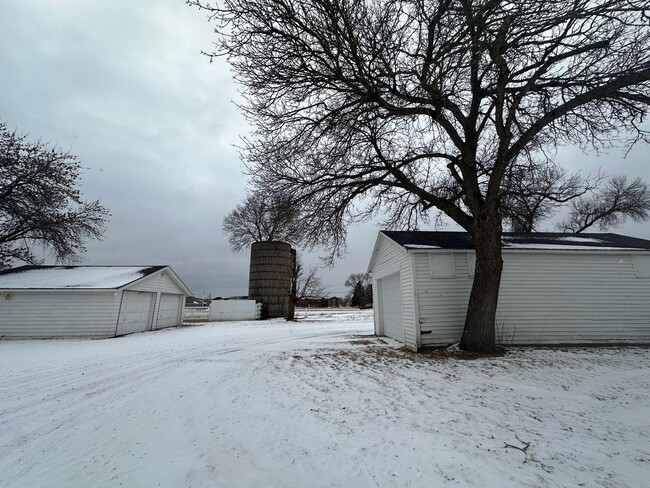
(93,378)
(82,393)
(17,385)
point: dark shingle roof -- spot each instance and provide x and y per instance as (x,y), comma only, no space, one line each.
(538,240)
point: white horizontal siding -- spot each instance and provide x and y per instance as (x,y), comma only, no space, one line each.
(442,301)
(32,314)
(222,310)
(390,258)
(545,298)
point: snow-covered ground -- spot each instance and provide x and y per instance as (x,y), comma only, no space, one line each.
(316,403)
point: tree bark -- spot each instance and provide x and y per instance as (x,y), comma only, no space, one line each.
(479,334)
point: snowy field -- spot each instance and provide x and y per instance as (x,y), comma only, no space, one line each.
(318,403)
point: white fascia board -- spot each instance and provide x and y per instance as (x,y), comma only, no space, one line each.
(375,249)
(178,281)
(166,269)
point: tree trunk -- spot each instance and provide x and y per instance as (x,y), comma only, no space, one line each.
(479,334)
(291,309)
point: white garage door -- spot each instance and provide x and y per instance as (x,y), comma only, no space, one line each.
(391,307)
(136,312)
(169,312)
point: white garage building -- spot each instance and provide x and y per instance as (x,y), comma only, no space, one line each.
(88,301)
(555,288)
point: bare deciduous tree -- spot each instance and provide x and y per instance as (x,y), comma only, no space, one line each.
(40,203)
(397,108)
(304,284)
(532,193)
(618,200)
(262,218)
(307,282)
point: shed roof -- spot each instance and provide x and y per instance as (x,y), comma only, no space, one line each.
(515,240)
(74,277)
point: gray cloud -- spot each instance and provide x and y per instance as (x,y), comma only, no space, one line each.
(123,86)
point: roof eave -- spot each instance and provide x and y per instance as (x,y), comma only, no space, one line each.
(375,249)
(529,250)
(172,275)
(69,288)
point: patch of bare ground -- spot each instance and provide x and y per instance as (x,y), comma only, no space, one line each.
(453,352)
(367,340)
(429,354)
(374,351)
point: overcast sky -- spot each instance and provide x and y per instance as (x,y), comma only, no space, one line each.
(123,86)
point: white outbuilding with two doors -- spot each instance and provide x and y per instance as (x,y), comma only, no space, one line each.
(555,288)
(88,301)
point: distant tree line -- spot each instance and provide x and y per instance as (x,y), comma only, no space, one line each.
(360,294)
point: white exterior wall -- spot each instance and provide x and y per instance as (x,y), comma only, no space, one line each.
(233,310)
(73,313)
(545,298)
(158,283)
(390,259)
(442,301)
(572,299)
(35,314)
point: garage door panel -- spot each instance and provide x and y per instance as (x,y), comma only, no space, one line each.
(391,307)
(136,312)
(169,311)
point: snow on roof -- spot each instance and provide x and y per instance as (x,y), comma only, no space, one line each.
(515,240)
(73,277)
(566,247)
(421,246)
(610,242)
(579,239)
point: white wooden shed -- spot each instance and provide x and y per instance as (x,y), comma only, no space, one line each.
(555,288)
(88,301)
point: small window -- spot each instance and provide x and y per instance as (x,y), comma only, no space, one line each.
(641,266)
(441,265)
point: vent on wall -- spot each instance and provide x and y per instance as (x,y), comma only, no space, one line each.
(8,296)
